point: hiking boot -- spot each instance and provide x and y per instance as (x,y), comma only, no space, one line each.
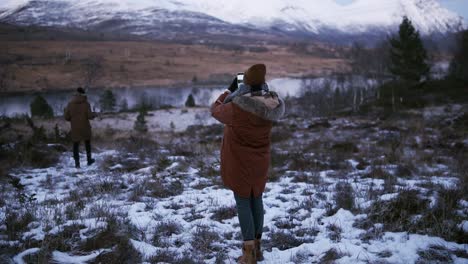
(248,253)
(77,164)
(258,250)
(91,161)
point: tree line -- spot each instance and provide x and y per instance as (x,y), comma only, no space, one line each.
(399,73)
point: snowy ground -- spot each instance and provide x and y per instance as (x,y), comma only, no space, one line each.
(165,203)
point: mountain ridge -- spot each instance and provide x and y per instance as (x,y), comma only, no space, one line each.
(169,19)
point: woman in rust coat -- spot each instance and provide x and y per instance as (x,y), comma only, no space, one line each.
(248,113)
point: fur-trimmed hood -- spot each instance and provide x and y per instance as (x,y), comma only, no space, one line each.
(268,106)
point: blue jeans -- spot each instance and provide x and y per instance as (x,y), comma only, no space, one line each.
(250,213)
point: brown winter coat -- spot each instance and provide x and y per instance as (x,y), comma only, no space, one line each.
(78,112)
(245,151)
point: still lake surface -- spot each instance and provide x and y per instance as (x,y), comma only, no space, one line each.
(13,104)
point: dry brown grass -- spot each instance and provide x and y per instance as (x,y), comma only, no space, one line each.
(43,64)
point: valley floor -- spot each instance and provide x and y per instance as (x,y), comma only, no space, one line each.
(342,190)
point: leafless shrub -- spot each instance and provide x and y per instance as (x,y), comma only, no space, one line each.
(308,177)
(442,219)
(373,233)
(307,233)
(162,163)
(281,133)
(274,174)
(106,185)
(279,159)
(122,252)
(138,190)
(126,162)
(309,203)
(344,196)
(209,170)
(434,254)
(334,232)
(16,223)
(37,156)
(103,212)
(164,256)
(384,254)
(283,240)
(203,240)
(73,210)
(285,223)
(298,161)
(193,215)
(161,189)
(163,230)
(330,256)
(302,256)
(404,171)
(64,241)
(397,214)
(379,173)
(116,235)
(345,147)
(143,146)
(224,213)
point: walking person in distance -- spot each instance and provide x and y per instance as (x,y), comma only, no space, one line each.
(78,113)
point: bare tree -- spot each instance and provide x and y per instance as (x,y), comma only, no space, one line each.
(359,57)
(92,70)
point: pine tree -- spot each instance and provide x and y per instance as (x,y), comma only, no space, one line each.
(124,105)
(40,107)
(459,64)
(140,122)
(408,55)
(107,101)
(190,102)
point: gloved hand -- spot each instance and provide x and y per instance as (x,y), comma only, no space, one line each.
(233,87)
(241,90)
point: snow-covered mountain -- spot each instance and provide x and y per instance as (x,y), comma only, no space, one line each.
(169,18)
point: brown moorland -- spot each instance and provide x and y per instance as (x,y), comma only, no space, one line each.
(47,65)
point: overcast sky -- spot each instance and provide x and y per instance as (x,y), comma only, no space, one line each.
(458,6)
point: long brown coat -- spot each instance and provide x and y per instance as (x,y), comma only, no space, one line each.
(78,112)
(245,151)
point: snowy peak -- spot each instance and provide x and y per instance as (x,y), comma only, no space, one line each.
(143,17)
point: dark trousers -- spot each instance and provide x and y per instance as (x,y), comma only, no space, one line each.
(76,151)
(250,213)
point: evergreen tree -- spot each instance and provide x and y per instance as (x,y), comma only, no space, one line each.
(408,55)
(190,102)
(337,98)
(107,101)
(124,105)
(140,122)
(459,64)
(40,107)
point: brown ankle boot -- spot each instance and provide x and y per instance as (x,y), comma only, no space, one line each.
(258,250)
(248,253)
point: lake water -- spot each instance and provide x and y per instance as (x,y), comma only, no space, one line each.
(18,104)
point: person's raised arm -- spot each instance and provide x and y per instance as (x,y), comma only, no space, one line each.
(222,112)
